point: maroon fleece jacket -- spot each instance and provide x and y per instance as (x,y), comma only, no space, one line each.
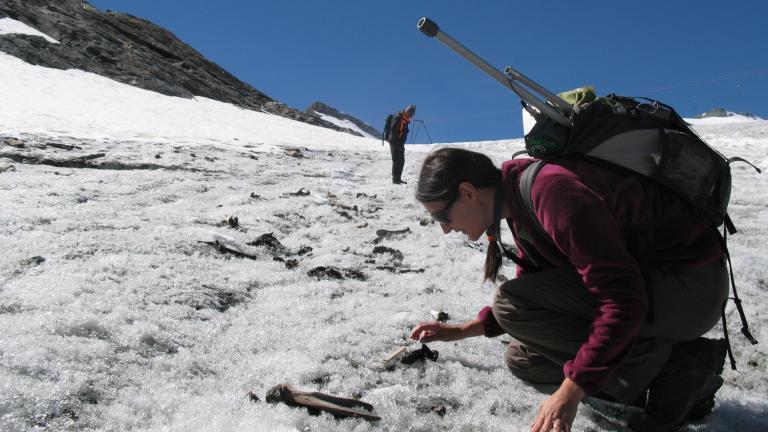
(608,225)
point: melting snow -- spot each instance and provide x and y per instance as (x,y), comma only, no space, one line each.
(131,298)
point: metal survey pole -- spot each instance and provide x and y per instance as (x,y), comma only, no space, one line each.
(431,29)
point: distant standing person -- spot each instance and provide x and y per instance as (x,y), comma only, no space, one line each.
(396,133)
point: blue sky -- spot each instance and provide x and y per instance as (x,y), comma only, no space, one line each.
(368,59)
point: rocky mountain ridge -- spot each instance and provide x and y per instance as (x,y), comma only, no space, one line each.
(321,108)
(722,112)
(130,50)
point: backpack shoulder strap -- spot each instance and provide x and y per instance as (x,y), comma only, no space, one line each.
(526,186)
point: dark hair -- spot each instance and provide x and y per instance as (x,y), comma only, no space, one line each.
(442,172)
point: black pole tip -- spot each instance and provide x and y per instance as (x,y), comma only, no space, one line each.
(428,27)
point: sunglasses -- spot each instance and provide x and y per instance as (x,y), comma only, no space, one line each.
(442,215)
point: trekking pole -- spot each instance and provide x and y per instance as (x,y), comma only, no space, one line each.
(431,29)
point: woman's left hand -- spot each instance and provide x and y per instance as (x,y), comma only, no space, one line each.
(556,414)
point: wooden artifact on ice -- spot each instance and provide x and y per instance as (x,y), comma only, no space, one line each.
(316,402)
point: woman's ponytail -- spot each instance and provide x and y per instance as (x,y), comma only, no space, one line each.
(493,259)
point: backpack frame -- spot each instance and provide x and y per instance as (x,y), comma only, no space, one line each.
(650,140)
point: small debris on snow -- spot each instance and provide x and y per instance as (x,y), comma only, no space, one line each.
(317,402)
(226,250)
(270,242)
(439,315)
(420,354)
(300,192)
(14,142)
(332,272)
(294,152)
(232,221)
(394,253)
(63,146)
(382,234)
(35,260)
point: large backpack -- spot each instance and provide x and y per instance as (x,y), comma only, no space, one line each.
(387,127)
(650,139)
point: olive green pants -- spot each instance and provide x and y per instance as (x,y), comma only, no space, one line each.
(550,313)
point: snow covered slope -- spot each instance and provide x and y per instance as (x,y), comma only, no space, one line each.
(82,104)
(11,26)
(120,311)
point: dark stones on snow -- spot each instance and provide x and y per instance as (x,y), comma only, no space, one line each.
(63,146)
(89,162)
(13,142)
(272,244)
(422,354)
(153,346)
(34,261)
(383,234)
(300,192)
(232,221)
(394,253)
(393,256)
(269,242)
(68,153)
(440,410)
(220,247)
(10,309)
(294,152)
(253,397)
(331,272)
(78,162)
(211,297)
(304,250)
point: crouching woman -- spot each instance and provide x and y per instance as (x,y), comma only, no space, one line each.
(610,298)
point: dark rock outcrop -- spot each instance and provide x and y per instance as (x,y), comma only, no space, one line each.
(319,107)
(130,50)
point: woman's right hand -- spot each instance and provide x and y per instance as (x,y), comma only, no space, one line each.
(438,331)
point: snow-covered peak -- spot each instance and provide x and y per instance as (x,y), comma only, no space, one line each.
(730,118)
(722,116)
